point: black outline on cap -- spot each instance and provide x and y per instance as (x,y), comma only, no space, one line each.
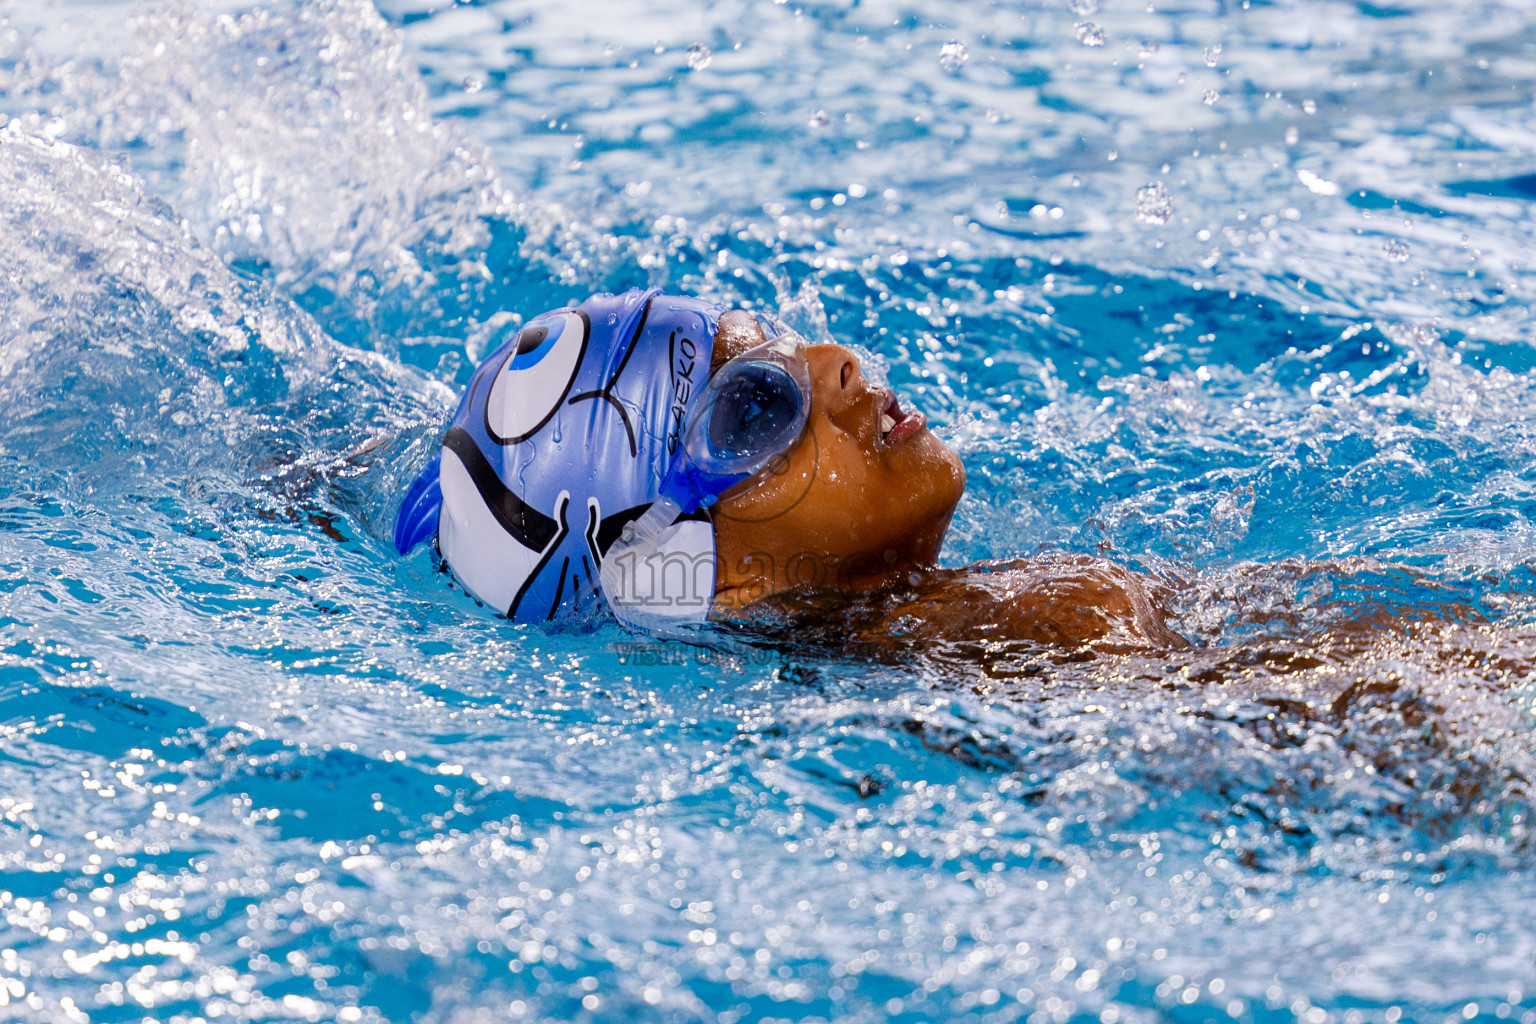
(606,391)
(524,523)
(538,570)
(512,353)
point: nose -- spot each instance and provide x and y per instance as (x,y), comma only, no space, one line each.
(836,377)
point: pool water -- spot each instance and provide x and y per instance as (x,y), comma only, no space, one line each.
(1238,294)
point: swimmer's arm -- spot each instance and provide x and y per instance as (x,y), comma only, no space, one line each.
(1067,600)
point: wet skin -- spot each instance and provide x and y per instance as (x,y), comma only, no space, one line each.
(859,506)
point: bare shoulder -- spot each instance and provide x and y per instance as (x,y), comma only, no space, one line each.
(1055,599)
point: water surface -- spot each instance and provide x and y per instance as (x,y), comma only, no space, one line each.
(1233,293)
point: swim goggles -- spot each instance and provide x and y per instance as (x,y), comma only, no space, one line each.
(753,409)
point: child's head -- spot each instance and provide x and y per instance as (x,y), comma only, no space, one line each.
(576,425)
(866,489)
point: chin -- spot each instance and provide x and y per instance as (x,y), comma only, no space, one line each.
(939,477)
(941,463)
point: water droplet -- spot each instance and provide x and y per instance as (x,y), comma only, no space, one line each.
(819,119)
(1317,184)
(1084,8)
(952,55)
(1211,53)
(699,57)
(1088,33)
(473,84)
(1309,106)
(1397,251)
(1210,96)
(1148,47)
(1153,204)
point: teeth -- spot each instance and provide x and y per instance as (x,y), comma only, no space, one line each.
(886,423)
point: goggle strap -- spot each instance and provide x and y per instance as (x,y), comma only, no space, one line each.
(627,558)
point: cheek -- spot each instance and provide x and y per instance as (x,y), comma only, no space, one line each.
(777,490)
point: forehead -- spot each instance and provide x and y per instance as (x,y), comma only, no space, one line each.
(736,332)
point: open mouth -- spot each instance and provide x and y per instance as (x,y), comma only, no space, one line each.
(896,424)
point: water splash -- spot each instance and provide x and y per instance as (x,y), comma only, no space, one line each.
(1154,204)
(953,55)
(206,372)
(227,113)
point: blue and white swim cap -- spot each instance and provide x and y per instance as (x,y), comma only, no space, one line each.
(564,436)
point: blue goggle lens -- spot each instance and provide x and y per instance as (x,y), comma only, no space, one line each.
(754,412)
(752,409)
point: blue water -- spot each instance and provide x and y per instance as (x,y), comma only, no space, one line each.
(1238,294)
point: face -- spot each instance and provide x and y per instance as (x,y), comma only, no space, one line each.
(866,491)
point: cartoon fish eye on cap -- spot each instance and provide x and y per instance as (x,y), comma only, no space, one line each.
(541,360)
(587,450)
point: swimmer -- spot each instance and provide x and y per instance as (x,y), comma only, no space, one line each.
(680,462)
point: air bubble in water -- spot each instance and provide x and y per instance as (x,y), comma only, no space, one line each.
(1088,33)
(819,119)
(473,84)
(1210,96)
(1211,53)
(952,55)
(1397,251)
(1148,47)
(1153,204)
(1309,106)
(1084,8)
(699,57)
